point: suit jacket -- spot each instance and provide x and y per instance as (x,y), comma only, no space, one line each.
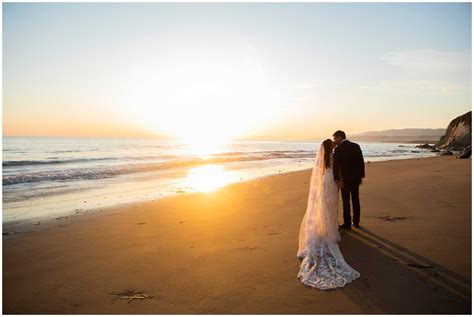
(348,163)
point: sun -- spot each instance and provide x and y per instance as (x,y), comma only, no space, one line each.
(201,100)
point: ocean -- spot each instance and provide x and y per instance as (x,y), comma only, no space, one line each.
(53,177)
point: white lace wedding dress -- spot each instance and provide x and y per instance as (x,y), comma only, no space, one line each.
(323,265)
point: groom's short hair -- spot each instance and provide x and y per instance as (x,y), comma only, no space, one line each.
(340,133)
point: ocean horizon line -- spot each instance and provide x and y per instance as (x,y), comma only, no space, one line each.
(160,138)
(157,138)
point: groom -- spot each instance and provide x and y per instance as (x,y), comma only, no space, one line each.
(348,174)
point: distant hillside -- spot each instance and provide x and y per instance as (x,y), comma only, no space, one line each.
(400,136)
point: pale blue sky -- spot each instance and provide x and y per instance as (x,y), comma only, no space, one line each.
(293,70)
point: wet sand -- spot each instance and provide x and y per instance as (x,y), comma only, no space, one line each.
(234,250)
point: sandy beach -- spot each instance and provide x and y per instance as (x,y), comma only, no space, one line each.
(234,250)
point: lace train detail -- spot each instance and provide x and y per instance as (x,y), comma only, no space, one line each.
(324,267)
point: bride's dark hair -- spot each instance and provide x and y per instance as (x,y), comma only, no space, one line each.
(327,144)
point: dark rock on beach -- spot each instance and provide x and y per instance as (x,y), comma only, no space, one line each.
(466,153)
(446,153)
(424,146)
(427,146)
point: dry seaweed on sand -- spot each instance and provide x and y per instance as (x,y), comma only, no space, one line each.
(389,218)
(131,294)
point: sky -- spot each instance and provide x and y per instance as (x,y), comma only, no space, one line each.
(270,71)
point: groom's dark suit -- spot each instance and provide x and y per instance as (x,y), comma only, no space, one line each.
(349,167)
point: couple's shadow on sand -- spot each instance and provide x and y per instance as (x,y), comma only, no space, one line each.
(396,280)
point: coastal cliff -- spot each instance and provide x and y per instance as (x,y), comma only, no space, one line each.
(458,133)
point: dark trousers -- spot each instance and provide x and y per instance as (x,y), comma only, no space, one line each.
(348,191)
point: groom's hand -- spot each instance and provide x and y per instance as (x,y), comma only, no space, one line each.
(340,184)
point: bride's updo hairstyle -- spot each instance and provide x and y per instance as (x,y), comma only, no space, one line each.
(327,144)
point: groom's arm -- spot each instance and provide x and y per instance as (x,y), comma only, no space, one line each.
(361,163)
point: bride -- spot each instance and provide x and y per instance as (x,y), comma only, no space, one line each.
(323,265)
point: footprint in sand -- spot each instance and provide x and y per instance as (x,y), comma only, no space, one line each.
(256,228)
(366,283)
(445,203)
(250,249)
(272,233)
(263,230)
(49,311)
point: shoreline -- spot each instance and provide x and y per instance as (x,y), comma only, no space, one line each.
(47,223)
(49,198)
(12,228)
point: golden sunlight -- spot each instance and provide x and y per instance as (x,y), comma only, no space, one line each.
(208,178)
(201,99)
